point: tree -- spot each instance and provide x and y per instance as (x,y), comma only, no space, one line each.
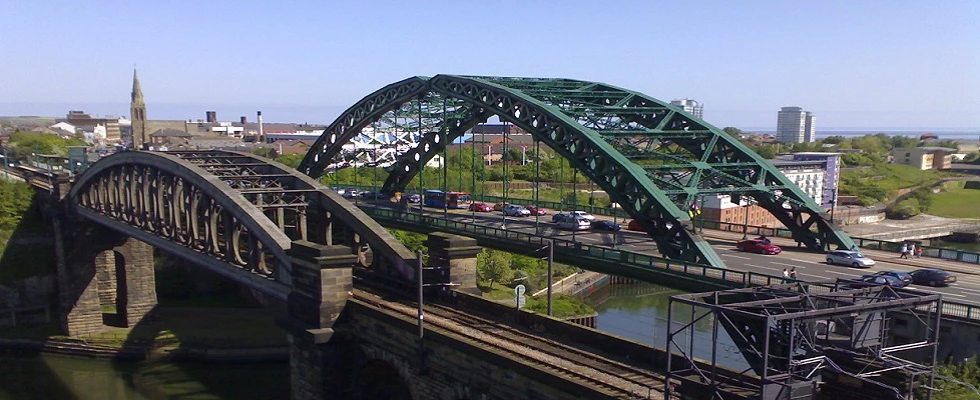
(733,131)
(494,266)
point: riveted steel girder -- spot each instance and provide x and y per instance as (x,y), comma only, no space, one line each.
(650,157)
(234,213)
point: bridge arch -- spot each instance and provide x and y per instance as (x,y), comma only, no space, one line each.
(650,157)
(234,213)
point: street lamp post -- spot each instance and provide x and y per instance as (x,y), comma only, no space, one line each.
(745,223)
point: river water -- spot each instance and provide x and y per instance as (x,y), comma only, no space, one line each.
(50,377)
(639,312)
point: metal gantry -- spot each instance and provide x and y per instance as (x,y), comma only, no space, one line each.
(650,157)
(234,213)
(800,339)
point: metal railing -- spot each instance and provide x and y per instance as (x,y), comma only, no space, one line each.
(625,258)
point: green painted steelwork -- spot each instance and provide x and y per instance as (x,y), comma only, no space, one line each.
(650,157)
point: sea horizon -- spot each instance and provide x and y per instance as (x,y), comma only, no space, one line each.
(942,133)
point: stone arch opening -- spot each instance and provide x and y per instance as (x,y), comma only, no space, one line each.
(378,379)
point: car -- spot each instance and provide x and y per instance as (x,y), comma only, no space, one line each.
(852,258)
(905,277)
(500,206)
(559,217)
(574,223)
(634,225)
(515,210)
(583,214)
(605,225)
(932,277)
(414,198)
(758,246)
(535,210)
(887,280)
(481,207)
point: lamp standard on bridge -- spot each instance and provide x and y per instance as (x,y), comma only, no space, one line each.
(745,223)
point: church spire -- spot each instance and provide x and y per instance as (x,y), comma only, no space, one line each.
(137,91)
(137,115)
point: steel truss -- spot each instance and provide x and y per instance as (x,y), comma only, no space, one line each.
(650,157)
(235,213)
(800,339)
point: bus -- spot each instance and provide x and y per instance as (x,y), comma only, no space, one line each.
(440,199)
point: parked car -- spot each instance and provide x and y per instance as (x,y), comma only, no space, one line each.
(351,193)
(500,206)
(535,210)
(887,280)
(852,258)
(634,226)
(758,246)
(605,225)
(515,210)
(932,277)
(574,223)
(481,207)
(414,198)
(905,277)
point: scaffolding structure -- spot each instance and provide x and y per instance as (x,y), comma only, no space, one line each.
(804,340)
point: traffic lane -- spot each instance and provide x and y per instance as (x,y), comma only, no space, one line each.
(813,267)
(809,264)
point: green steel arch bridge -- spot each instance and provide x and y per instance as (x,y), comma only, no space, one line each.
(652,158)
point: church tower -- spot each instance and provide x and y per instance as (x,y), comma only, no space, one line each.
(137,114)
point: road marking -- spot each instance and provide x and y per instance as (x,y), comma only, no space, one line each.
(734,256)
(819,276)
(759,266)
(936,292)
(807,261)
(788,265)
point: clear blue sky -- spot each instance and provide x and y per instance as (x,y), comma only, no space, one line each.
(896,64)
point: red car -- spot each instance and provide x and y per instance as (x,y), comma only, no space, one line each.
(481,207)
(535,210)
(634,226)
(758,246)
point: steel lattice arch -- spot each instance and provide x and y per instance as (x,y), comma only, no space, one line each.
(234,213)
(650,157)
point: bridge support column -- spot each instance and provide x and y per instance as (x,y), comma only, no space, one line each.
(138,295)
(322,282)
(458,255)
(103,269)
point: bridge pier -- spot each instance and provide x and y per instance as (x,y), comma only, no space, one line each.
(322,282)
(458,255)
(105,270)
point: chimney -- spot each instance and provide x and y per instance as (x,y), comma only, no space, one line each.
(244,120)
(212,116)
(261,136)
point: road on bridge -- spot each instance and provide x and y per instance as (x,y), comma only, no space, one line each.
(810,265)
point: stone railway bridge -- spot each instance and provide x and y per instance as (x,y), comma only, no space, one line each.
(272,229)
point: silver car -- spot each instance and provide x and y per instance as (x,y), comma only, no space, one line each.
(574,223)
(847,257)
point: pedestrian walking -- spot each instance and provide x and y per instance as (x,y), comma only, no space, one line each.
(905,251)
(911,249)
(918,252)
(792,273)
(785,275)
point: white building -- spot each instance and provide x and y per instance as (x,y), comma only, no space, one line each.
(793,125)
(227,129)
(690,106)
(69,128)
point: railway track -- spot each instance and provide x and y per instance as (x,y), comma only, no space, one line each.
(622,380)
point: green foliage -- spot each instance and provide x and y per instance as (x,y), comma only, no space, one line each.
(952,380)
(956,201)
(904,209)
(562,306)
(15,203)
(267,152)
(882,181)
(291,160)
(733,132)
(23,144)
(766,151)
(414,241)
(861,159)
(972,158)
(494,266)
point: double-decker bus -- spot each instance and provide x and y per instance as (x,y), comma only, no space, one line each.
(440,199)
